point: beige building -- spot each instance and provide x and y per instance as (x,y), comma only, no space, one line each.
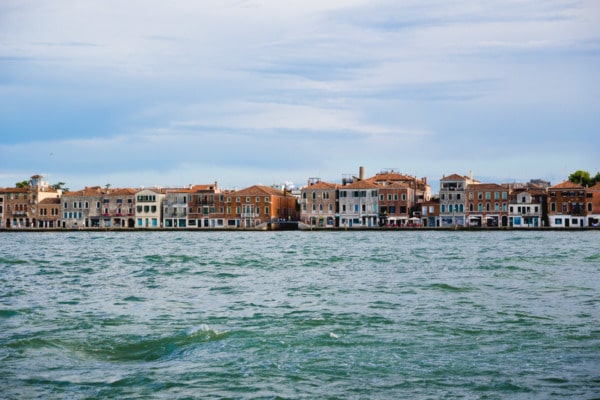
(318,203)
(149,208)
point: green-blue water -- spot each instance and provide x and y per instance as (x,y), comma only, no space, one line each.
(378,315)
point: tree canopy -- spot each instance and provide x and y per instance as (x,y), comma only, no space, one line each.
(584,178)
(22,184)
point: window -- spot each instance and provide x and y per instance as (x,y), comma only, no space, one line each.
(488,195)
(496,207)
(470,195)
(87,204)
(443,208)
(364,207)
(511,209)
(496,195)
(267,210)
(457,196)
(66,205)
(552,206)
(373,193)
(479,207)
(98,204)
(258,199)
(589,206)
(74,204)
(314,195)
(487,206)
(395,197)
(403,196)
(356,208)
(504,195)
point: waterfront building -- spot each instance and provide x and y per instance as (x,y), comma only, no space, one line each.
(430,212)
(566,205)
(2,204)
(48,213)
(257,205)
(20,208)
(487,204)
(525,209)
(149,208)
(396,204)
(318,204)
(96,207)
(420,190)
(175,208)
(206,207)
(359,204)
(592,198)
(453,199)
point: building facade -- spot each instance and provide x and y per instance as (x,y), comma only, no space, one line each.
(487,204)
(567,205)
(453,199)
(592,198)
(525,210)
(175,208)
(149,208)
(318,204)
(258,205)
(359,204)
(206,207)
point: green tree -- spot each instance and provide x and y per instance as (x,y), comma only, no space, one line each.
(60,186)
(596,178)
(581,177)
(22,184)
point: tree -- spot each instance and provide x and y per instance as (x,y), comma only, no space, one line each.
(60,186)
(596,178)
(581,177)
(22,184)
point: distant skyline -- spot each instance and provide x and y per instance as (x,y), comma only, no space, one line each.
(262,92)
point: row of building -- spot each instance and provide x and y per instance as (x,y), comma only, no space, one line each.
(387,199)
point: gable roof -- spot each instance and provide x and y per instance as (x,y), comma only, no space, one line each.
(322,185)
(360,185)
(567,185)
(259,190)
(455,177)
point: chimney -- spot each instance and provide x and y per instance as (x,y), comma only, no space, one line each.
(361,173)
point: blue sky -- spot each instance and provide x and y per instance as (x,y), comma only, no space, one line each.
(143,93)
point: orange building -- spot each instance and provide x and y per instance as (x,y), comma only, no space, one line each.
(487,204)
(256,205)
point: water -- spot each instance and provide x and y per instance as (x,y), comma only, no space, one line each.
(381,315)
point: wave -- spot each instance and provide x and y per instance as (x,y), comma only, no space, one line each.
(140,348)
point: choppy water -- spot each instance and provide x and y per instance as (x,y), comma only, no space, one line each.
(300,315)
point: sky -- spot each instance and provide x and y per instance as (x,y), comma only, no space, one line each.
(154,93)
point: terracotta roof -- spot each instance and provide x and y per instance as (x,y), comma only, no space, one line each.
(98,191)
(455,177)
(391,176)
(394,186)
(322,185)
(567,185)
(16,190)
(211,186)
(259,190)
(360,185)
(50,200)
(484,186)
(595,187)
